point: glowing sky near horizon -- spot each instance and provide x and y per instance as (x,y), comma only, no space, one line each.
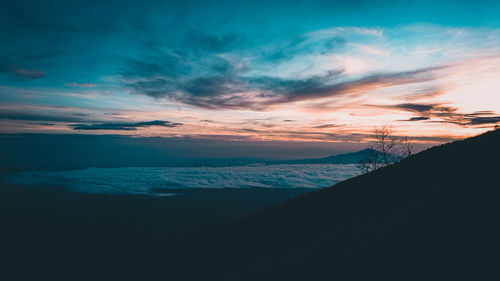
(252,70)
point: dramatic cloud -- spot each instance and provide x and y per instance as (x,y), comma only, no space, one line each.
(257,93)
(207,73)
(125,126)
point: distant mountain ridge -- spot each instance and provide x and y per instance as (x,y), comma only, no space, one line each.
(346,158)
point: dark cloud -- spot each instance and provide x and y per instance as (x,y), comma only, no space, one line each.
(425,108)
(484,120)
(124,126)
(325,126)
(451,115)
(415,107)
(419,118)
(228,90)
(85,120)
(446,114)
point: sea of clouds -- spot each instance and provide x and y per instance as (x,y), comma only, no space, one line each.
(140,180)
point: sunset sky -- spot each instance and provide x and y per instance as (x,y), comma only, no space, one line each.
(250,70)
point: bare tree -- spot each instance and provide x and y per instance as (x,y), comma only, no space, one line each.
(385,143)
(386,149)
(371,162)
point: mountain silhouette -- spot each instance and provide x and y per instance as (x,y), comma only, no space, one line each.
(347,158)
(434,215)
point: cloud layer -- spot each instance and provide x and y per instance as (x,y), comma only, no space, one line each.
(147,180)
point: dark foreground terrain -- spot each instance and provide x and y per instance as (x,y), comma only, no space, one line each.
(433,216)
(49,233)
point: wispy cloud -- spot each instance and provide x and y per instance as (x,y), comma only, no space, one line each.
(80,85)
(377,32)
(125,126)
(327,126)
(23,73)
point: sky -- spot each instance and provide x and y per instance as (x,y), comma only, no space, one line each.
(294,71)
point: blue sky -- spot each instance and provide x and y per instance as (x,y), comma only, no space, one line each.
(250,70)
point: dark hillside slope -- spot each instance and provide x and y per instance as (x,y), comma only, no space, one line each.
(434,215)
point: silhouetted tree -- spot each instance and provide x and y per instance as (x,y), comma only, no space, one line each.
(386,149)
(371,162)
(385,143)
